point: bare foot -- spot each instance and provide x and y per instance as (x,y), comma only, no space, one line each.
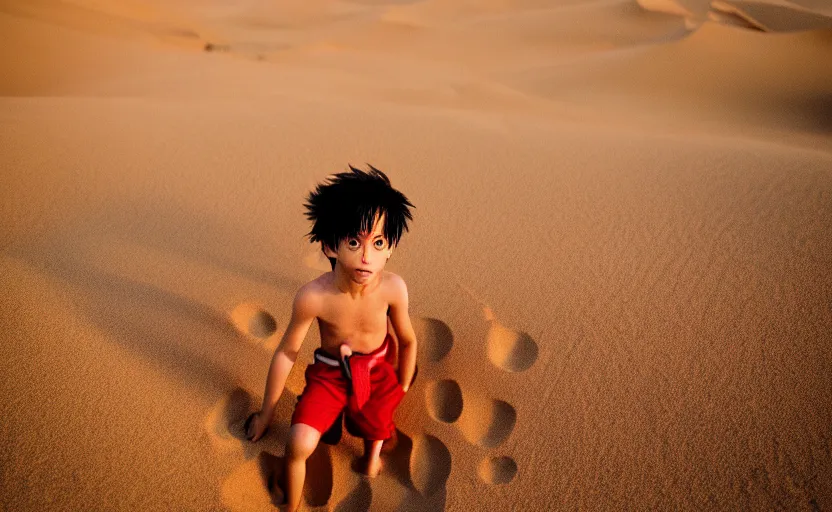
(276,488)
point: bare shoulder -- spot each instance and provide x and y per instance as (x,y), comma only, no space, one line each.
(395,288)
(310,296)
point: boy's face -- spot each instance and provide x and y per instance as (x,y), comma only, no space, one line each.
(364,256)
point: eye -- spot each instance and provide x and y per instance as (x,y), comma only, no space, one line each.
(353,243)
(380,243)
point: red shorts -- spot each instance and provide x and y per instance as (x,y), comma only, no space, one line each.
(326,396)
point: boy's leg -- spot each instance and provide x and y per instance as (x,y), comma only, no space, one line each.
(374,422)
(303,440)
(372,453)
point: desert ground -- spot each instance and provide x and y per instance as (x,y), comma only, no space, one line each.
(619,267)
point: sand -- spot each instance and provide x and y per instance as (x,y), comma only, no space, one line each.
(619,266)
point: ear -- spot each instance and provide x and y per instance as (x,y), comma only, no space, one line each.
(329,253)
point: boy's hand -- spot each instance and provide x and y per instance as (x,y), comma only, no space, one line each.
(255,427)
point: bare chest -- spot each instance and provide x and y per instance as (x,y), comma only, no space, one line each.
(362,324)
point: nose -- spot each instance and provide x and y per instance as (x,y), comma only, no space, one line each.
(365,254)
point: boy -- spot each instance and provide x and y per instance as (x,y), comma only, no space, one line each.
(358,217)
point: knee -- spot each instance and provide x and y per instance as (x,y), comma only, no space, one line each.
(302,442)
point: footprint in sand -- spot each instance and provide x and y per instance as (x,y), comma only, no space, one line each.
(255,324)
(225,421)
(429,459)
(418,468)
(510,350)
(252,484)
(497,470)
(223,424)
(252,320)
(487,422)
(444,400)
(483,421)
(437,336)
(430,464)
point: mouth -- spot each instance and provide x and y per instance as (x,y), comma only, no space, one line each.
(362,272)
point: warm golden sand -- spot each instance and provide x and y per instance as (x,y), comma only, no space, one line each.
(620,268)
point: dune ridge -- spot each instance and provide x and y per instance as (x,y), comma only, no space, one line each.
(773,17)
(618,267)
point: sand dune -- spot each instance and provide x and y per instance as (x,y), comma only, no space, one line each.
(618,269)
(818,6)
(774,18)
(125,19)
(731,18)
(604,25)
(714,73)
(667,6)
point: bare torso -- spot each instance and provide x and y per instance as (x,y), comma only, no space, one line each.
(360,322)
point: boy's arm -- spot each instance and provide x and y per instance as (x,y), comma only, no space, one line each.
(400,318)
(304,310)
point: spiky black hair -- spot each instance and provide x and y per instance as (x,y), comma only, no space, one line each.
(347,203)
